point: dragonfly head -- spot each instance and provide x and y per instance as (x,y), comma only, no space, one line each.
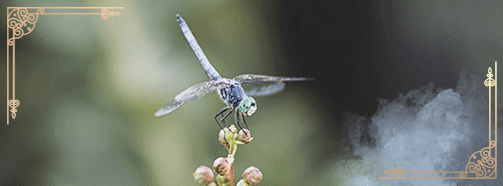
(248,106)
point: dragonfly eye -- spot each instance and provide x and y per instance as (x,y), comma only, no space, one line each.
(248,106)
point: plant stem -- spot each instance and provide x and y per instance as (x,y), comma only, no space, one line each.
(233,182)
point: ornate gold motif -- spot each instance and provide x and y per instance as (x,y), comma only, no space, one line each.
(21,22)
(13,105)
(105,13)
(489,82)
(481,163)
(397,172)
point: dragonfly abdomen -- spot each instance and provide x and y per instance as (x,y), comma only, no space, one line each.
(208,68)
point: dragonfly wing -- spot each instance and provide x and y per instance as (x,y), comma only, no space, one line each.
(251,78)
(166,109)
(199,90)
(263,88)
(260,85)
(193,92)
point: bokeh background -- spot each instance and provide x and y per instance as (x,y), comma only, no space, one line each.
(398,83)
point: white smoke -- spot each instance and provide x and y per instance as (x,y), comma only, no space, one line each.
(424,130)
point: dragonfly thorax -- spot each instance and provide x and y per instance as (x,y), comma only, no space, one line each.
(235,97)
(233,94)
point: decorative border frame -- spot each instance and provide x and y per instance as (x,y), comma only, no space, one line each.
(21,22)
(482,164)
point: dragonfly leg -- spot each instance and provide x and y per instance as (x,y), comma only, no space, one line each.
(242,116)
(223,118)
(220,113)
(237,121)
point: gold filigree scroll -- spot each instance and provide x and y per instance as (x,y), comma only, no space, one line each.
(482,164)
(21,22)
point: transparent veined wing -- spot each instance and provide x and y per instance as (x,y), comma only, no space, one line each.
(262,88)
(196,91)
(261,85)
(166,109)
(193,92)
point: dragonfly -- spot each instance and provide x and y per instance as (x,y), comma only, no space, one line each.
(235,92)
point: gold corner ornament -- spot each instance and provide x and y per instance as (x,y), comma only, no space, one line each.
(482,164)
(21,22)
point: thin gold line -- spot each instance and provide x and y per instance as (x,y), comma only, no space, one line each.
(496,118)
(490,119)
(435,172)
(69,7)
(439,178)
(453,172)
(13,69)
(8,53)
(71,13)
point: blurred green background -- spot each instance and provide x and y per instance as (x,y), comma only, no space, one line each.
(88,87)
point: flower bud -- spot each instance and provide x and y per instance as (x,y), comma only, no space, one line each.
(252,175)
(244,136)
(203,175)
(233,128)
(221,137)
(242,182)
(221,166)
(212,184)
